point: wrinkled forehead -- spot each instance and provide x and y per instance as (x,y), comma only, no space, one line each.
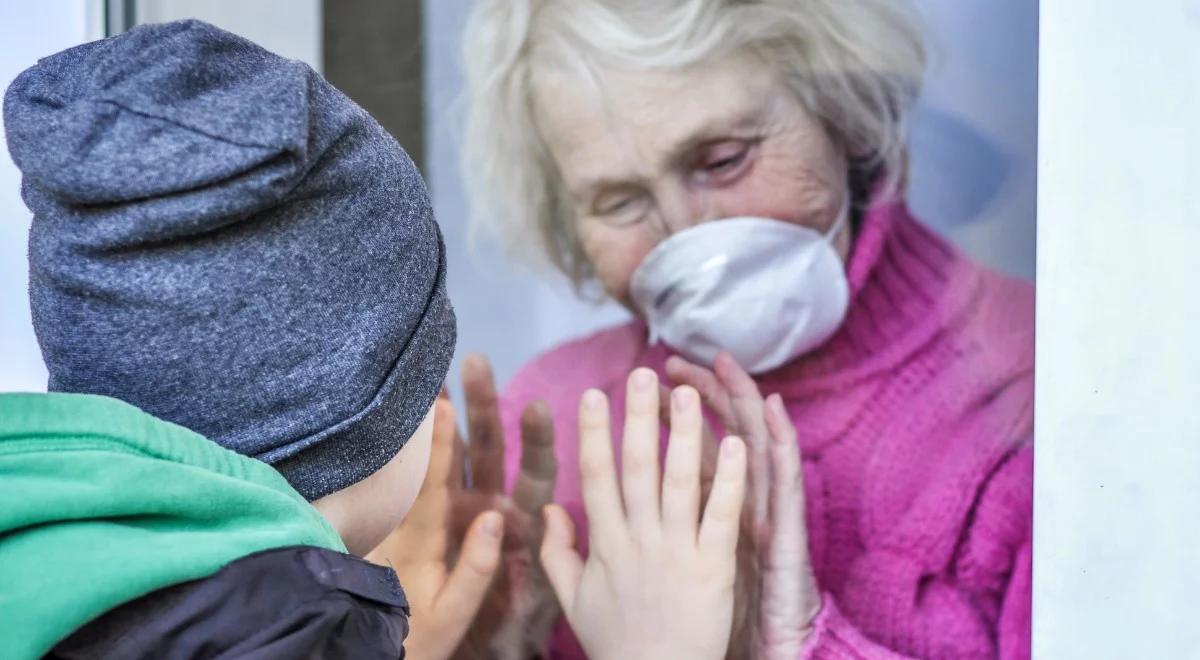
(594,119)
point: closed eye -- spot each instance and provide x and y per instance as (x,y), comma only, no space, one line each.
(726,163)
(614,205)
(722,163)
(620,206)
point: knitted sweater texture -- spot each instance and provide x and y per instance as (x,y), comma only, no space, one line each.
(915,423)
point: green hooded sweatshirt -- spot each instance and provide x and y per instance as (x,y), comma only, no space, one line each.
(101,503)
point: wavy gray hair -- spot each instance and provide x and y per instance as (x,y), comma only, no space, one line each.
(855,64)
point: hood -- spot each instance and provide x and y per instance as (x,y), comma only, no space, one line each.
(101,503)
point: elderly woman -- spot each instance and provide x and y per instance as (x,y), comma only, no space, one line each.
(733,173)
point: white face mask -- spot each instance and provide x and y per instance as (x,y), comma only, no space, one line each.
(766,291)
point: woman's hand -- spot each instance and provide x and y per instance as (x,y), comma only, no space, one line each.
(443,600)
(502,605)
(658,581)
(520,611)
(789,598)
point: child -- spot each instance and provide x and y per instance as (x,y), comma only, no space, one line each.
(230,261)
(224,241)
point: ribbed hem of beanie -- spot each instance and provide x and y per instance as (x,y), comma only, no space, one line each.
(357,447)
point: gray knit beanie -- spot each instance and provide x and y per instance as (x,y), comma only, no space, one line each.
(224,240)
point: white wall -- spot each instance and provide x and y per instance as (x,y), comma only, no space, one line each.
(1117,489)
(973,171)
(28,30)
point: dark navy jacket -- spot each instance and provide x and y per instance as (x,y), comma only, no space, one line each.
(297,602)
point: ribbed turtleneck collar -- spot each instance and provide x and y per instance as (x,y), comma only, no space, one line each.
(906,284)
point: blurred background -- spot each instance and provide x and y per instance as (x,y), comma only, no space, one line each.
(974,142)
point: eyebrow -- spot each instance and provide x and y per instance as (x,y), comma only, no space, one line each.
(706,131)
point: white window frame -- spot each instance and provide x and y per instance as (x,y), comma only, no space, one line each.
(1117,486)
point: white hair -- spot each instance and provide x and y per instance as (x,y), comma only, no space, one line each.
(857,65)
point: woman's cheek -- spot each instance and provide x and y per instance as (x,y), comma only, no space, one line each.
(761,201)
(615,253)
(788,191)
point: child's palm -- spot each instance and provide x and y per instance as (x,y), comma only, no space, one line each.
(658,581)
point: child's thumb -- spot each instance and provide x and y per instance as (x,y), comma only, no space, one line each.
(472,575)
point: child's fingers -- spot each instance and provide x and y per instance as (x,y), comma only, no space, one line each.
(458,459)
(708,442)
(441,453)
(562,564)
(681,477)
(535,482)
(597,474)
(722,513)
(468,583)
(485,431)
(705,381)
(639,454)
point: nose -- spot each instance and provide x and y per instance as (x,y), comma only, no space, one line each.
(681,207)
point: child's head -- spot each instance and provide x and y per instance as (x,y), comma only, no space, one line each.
(224,240)
(364,512)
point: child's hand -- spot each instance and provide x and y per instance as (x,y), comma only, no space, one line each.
(658,582)
(789,598)
(501,612)
(443,600)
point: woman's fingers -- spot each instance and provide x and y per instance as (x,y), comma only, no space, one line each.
(472,575)
(790,598)
(597,474)
(681,476)
(746,404)
(562,563)
(719,528)
(639,454)
(484,427)
(789,543)
(535,482)
(737,383)
(705,381)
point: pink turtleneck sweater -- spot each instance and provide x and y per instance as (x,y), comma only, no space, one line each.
(915,422)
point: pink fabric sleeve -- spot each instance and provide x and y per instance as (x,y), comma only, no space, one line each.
(993,570)
(1015,632)
(835,638)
